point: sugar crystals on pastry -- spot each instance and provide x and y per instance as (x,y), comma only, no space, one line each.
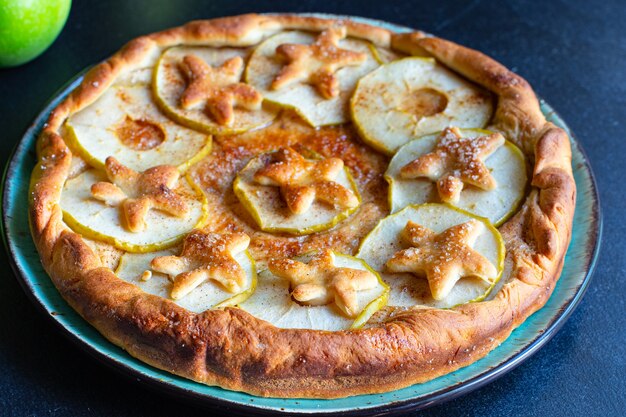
(455,161)
(320,282)
(204,256)
(302,182)
(316,63)
(136,193)
(219,87)
(443,257)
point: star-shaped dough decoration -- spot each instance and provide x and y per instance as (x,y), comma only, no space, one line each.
(443,257)
(317,63)
(219,87)
(205,256)
(136,193)
(302,182)
(455,161)
(320,282)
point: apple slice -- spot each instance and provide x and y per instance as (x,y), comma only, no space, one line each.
(407,289)
(506,164)
(385,56)
(96,220)
(301,97)
(412,97)
(169,83)
(267,207)
(136,77)
(132,267)
(125,123)
(272,301)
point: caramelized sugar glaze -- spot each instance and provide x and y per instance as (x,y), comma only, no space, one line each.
(215,175)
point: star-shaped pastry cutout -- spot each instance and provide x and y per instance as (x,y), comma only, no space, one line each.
(317,63)
(219,86)
(302,182)
(455,161)
(136,193)
(205,256)
(320,282)
(443,257)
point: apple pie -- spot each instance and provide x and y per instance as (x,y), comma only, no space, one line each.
(294,206)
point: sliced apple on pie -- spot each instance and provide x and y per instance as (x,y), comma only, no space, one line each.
(126,124)
(411,97)
(201,87)
(285,192)
(133,211)
(314,74)
(137,268)
(473,169)
(435,255)
(321,290)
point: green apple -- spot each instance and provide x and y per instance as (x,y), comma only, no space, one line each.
(28,27)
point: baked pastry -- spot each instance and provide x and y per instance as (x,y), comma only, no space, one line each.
(302,207)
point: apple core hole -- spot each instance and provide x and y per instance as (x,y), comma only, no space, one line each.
(424,102)
(139,134)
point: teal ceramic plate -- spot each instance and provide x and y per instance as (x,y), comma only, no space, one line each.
(522,343)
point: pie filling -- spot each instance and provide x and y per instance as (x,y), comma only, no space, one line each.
(312,180)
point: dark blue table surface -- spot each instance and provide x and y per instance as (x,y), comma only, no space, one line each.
(572,52)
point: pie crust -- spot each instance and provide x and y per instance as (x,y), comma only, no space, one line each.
(231,348)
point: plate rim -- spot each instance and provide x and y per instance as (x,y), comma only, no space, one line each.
(393,407)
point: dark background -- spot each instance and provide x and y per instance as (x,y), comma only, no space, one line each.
(572,52)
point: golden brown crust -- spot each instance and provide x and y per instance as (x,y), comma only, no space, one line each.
(231,348)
